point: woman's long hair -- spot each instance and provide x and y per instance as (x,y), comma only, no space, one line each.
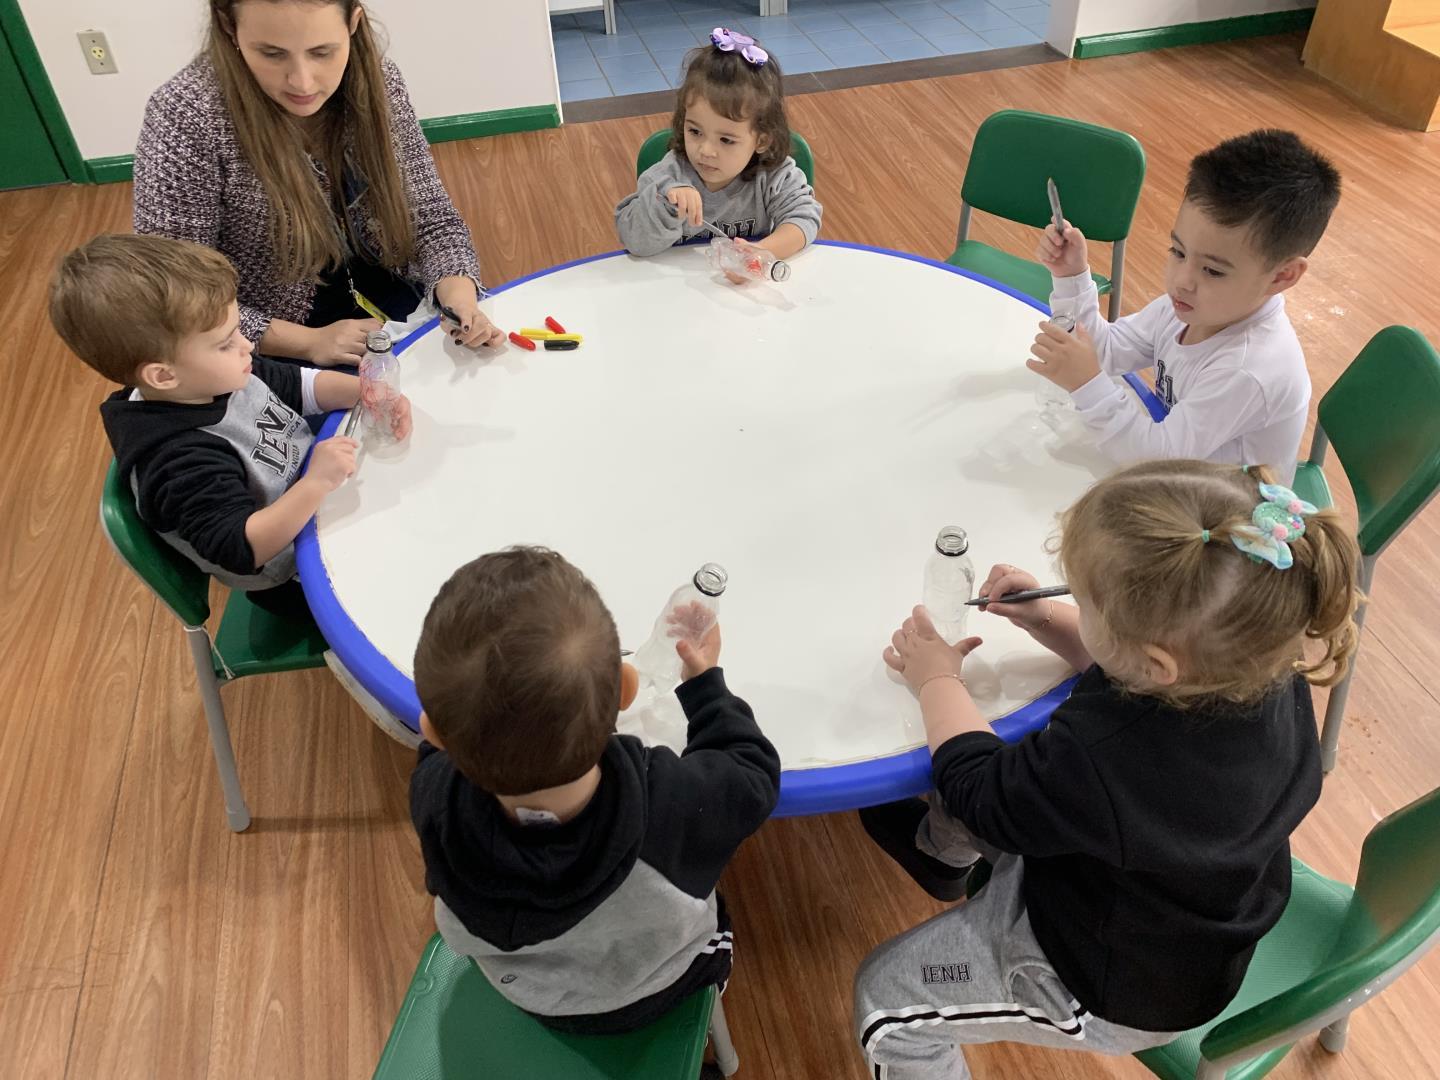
(303,233)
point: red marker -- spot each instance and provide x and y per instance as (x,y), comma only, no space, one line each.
(553,325)
(523,342)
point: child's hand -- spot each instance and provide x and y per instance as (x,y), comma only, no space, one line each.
(341,342)
(687,200)
(400,419)
(919,653)
(1063,256)
(458,293)
(333,461)
(1068,360)
(1005,579)
(696,660)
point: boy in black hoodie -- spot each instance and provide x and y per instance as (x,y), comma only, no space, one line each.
(210,439)
(576,866)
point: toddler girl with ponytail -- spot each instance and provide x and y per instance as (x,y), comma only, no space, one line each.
(1140,842)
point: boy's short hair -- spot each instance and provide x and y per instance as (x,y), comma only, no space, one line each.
(1274,183)
(518,669)
(122,301)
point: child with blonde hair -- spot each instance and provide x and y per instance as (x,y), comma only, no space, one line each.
(729,160)
(1140,842)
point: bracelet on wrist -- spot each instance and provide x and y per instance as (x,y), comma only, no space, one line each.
(942,675)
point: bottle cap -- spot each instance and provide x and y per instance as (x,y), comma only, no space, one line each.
(780,271)
(1064,322)
(711,579)
(377,341)
(952,541)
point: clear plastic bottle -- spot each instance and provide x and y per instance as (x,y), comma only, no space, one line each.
(689,613)
(747,260)
(949,582)
(379,385)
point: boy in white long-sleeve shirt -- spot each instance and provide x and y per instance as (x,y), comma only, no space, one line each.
(1227,362)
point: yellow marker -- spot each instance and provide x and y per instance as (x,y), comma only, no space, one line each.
(548,335)
(363,302)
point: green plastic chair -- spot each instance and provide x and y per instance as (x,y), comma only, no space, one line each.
(1383,418)
(453,1025)
(1333,950)
(656,146)
(250,640)
(1097,171)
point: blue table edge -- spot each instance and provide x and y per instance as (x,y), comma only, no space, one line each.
(817,790)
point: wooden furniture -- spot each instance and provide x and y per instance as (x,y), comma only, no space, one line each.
(1385,52)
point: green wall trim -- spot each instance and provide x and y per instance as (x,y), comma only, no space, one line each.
(110,170)
(1165,37)
(500,122)
(32,70)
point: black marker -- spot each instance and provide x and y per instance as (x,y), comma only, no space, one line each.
(1020,597)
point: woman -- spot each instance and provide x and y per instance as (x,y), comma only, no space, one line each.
(240,151)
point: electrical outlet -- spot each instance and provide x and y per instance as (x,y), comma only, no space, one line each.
(97,52)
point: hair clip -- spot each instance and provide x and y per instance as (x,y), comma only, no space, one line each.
(732,40)
(1276,522)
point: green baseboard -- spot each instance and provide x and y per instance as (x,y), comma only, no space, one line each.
(110,170)
(1203,33)
(501,122)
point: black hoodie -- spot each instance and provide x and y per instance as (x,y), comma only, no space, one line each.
(603,923)
(200,471)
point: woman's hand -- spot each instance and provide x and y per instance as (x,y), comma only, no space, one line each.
(919,653)
(459,294)
(341,342)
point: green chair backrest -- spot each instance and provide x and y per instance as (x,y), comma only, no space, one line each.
(1383,418)
(655,147)
(1098,172)
(1395,910)
(182,585)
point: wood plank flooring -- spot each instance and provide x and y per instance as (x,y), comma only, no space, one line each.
(141,939)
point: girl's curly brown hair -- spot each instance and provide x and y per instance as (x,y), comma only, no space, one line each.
(739,91)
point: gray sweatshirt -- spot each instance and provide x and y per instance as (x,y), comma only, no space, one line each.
(752,209)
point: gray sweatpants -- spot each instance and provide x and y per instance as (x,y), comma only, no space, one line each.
(974,974)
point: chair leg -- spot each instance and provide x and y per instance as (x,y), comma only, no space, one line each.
(235,809)
(963,233)
(1335,710)
(609,16)
(725,1055)
(1117,278)
(1332,1038)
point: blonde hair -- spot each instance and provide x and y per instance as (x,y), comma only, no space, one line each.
(1150,550)
(303,232)
(123,301)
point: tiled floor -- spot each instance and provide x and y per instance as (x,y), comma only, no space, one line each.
(816,35)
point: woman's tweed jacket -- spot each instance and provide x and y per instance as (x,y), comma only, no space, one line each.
(192,182)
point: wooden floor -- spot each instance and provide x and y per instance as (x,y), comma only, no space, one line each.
(139,938)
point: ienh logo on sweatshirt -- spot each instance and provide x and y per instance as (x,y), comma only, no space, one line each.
(274,447)
(944,973)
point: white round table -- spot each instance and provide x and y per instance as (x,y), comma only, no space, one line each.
(811,437)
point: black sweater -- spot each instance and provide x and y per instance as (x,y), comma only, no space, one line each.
(606,922)
(1155,840)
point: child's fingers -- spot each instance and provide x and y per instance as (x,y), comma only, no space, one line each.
(892,658)
(969,645)
(1040,367)
(924,625)
(897,640)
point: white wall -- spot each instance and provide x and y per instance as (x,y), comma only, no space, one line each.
(1071,19)
(458,56)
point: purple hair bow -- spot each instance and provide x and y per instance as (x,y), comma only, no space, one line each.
(731,40)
